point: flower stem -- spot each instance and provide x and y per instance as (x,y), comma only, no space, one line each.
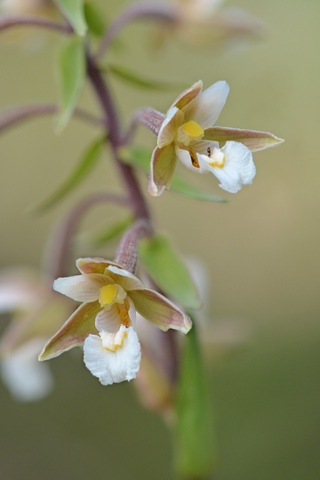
(127,251)
(115,136)
(30,21)
(56,262)
(159,12)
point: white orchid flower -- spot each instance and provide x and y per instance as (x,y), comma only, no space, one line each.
(185,134)
(37,312)
(105,322)
(25,6)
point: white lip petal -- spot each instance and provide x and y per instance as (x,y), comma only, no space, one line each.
(206,107)
(82,288)
(238,169)
(26,378)
(185,158)
(113,367)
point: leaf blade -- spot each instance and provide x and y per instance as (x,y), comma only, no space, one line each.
(72,71)
(95,21)
(168,270)
(131,77)
(195,449)
(86,164)
(73,10)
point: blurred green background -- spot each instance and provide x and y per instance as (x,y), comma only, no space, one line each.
(261,249)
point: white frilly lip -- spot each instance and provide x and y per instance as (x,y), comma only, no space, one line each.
(26,378)
(238,168)
(113,367)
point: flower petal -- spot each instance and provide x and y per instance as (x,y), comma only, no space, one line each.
(163,165)
(125,279)
(113,367)
(93,265)
(206,108)
(188,95)
(82,288)
(185,157)
(108,319)
(169,128)
(160,311)
(111,318)
(24,376)
(252,139)
(74,332)
(238,169)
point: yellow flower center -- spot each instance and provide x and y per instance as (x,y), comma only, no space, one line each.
(193,129)
(113,341)
(108,293)
(216,158)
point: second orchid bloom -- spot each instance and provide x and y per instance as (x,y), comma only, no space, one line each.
(105,322)
(185,134)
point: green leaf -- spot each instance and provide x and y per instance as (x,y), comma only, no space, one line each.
(168,270)
(195,449)
(86,164)
(141,157)
(183,187)
(73,10)
(72,71)
(95,21)
(109,233)
(135,79)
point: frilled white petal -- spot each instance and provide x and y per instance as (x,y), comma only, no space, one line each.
(168,130)
(25,377)
(125,279)
(206,107)
(111,317)
(238,169)
(82,288)
(185,157)
(113,367)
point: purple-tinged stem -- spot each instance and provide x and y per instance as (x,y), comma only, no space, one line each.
(140,11)
(31,21)
(115,137)
(60,244)
(127,251)
(148,117)
(15,115)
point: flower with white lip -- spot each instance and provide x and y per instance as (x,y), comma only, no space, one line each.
(26,6)
(185,134)
(36,314)
(105,322)
(205,23)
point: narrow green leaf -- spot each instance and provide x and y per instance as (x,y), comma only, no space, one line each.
(195,449)
(183,187)
(140,157)
(109,233)
(137,80)
(86,164)
(73,10)
(94,18)
(168,270)
(72,70)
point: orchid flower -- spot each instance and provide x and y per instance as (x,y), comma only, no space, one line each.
(105,322)
(205,23)
(26,6)
(37,311)
(185,134)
